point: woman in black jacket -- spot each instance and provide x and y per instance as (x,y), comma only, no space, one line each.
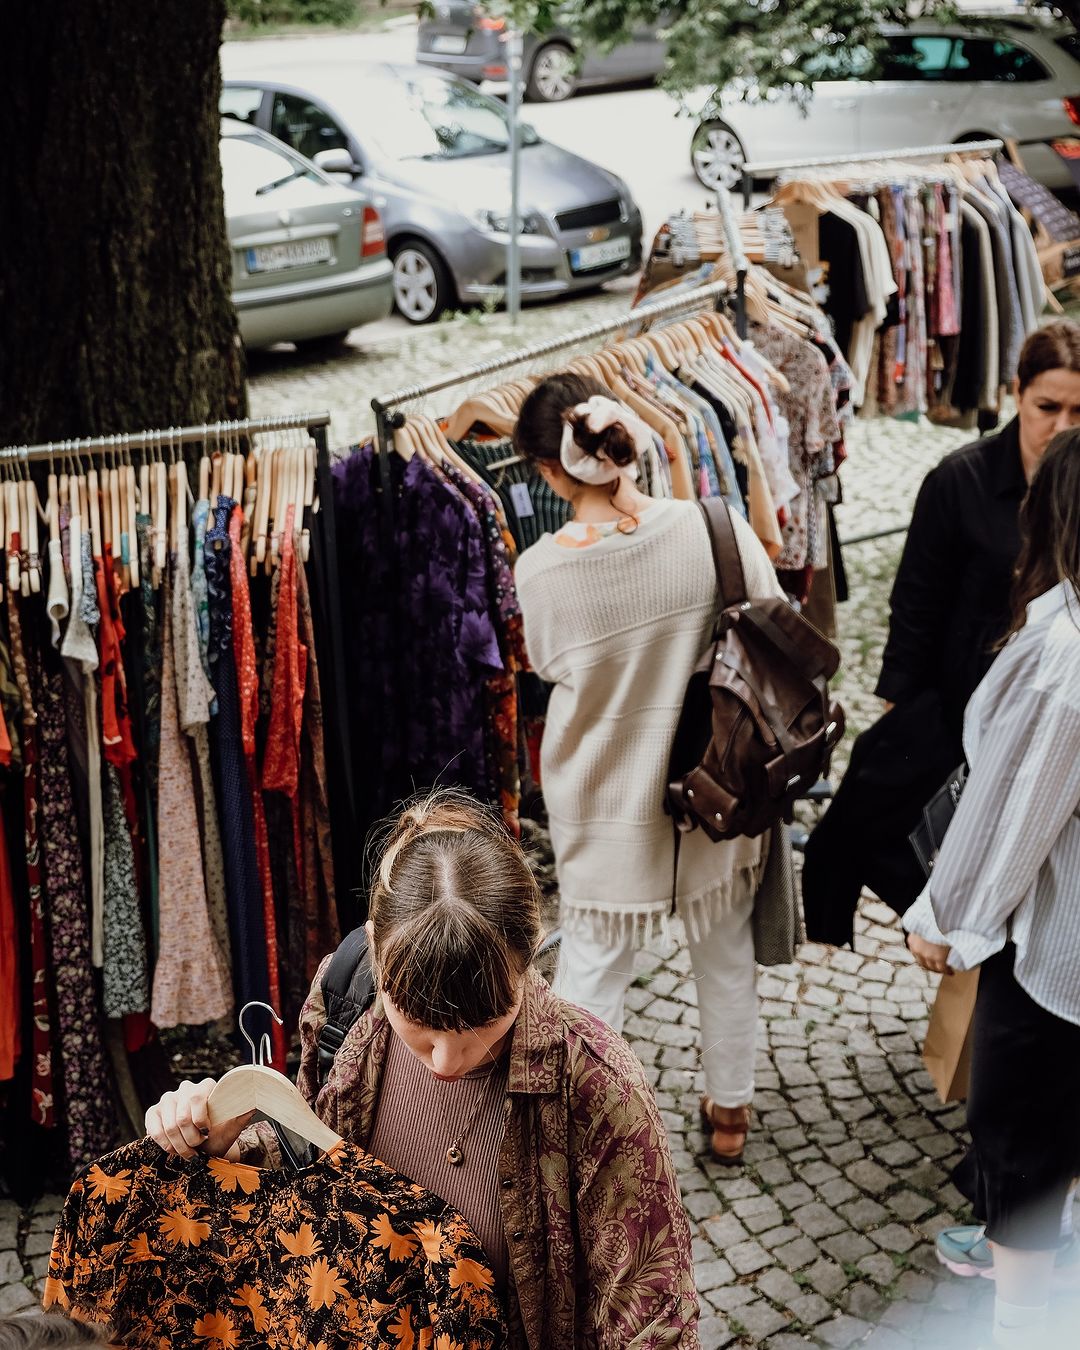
(949,606)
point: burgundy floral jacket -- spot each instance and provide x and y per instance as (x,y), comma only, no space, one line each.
(598,1238)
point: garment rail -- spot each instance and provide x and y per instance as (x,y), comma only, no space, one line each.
(166,437)
(646,313)
(773,167)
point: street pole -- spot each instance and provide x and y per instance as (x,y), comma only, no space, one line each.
(514,45)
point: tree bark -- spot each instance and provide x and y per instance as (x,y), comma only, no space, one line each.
(115,296)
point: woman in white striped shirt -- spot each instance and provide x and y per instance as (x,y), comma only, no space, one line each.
(1005,896)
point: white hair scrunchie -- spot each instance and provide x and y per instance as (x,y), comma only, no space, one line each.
(599,413)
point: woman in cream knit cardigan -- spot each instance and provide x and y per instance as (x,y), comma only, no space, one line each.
(617,608)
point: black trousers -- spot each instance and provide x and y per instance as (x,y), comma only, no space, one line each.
(1023,1112)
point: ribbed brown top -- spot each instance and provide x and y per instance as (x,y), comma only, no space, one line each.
(417,1120)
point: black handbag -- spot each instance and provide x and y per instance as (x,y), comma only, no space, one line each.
(928,836)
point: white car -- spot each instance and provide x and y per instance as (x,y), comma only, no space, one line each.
(934,85)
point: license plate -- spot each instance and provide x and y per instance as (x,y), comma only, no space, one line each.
(599,255)
(448,44)
(280,257)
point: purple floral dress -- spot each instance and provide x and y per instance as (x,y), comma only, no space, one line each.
(420,643)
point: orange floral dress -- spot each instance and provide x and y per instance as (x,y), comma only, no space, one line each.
(216,1255)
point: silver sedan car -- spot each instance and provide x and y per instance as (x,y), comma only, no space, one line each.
(308,255)
(432,153)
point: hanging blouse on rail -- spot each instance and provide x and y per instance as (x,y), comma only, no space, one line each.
(206,1252)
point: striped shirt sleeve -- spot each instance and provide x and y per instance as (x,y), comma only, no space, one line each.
(1018,799)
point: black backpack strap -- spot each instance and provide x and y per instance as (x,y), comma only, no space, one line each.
(348,990)
(730,580)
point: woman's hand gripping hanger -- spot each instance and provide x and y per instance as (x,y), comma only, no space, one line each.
(257,1087)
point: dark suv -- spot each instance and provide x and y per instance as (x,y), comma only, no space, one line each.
(459,37)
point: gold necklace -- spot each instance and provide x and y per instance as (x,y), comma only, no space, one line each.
(454,1155)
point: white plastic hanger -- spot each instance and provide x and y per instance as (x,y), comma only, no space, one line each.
(257,1087)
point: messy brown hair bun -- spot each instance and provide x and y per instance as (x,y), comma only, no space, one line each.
(544,414)
(614,441)
(456,914)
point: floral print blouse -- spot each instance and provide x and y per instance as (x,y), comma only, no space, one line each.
(217,1255)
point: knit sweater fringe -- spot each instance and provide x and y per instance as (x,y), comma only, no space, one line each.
(647,924)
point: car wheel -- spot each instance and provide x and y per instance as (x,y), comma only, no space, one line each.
(552,78)
(717,155)
(422,287)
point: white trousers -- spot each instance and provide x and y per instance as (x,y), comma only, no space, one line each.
(595,974)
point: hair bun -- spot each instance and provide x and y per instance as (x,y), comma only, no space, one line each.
(614,441)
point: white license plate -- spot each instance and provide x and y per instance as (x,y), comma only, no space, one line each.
(448,44)
(599,255)
(280,257)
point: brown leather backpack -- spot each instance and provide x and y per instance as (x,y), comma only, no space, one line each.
(757,727)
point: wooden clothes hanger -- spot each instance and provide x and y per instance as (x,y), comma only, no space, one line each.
(257,1087)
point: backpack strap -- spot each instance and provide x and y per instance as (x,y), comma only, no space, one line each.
(730,580)
(348,990)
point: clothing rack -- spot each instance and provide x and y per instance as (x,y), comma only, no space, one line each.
(773,167)
(161,438)
(385,406)
(325,557)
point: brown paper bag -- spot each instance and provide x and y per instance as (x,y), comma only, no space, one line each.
(947,1051)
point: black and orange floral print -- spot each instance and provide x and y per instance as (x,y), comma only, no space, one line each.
(217,1255)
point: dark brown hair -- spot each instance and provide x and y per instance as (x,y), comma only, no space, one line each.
(547,409)
(38,1333)
(1049,527)
(1055,347)
(456,914)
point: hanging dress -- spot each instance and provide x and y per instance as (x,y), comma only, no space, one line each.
(42,1081)
(191,984)
(247,925)
(247,674)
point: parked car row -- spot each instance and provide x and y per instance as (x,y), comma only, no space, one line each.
(351,188)
(935,84)
(431,155)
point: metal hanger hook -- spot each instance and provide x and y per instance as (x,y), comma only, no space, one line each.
(262,1053)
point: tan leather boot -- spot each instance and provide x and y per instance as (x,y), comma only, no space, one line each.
(729,1126)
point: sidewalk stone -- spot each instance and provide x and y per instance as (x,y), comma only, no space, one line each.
(842,1332)
(748,1257)
(894,1238)
(818,1220)
(761,1319)
(14,1298)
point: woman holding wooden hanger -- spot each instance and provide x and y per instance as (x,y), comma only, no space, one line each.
(472,1078)
(618,607)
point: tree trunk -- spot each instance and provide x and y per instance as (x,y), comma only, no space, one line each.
(115,308)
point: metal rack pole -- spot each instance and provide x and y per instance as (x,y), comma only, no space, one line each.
(769,169)
(643,315)
(164,436)
(764,169)
(738,256)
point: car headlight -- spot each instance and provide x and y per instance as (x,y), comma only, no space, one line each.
(498,222)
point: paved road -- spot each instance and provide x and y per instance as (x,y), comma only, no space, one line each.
(637,133)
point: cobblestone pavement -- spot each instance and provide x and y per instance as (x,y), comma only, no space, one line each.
(825,1236)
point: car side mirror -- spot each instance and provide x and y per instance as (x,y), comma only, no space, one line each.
(337,161)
